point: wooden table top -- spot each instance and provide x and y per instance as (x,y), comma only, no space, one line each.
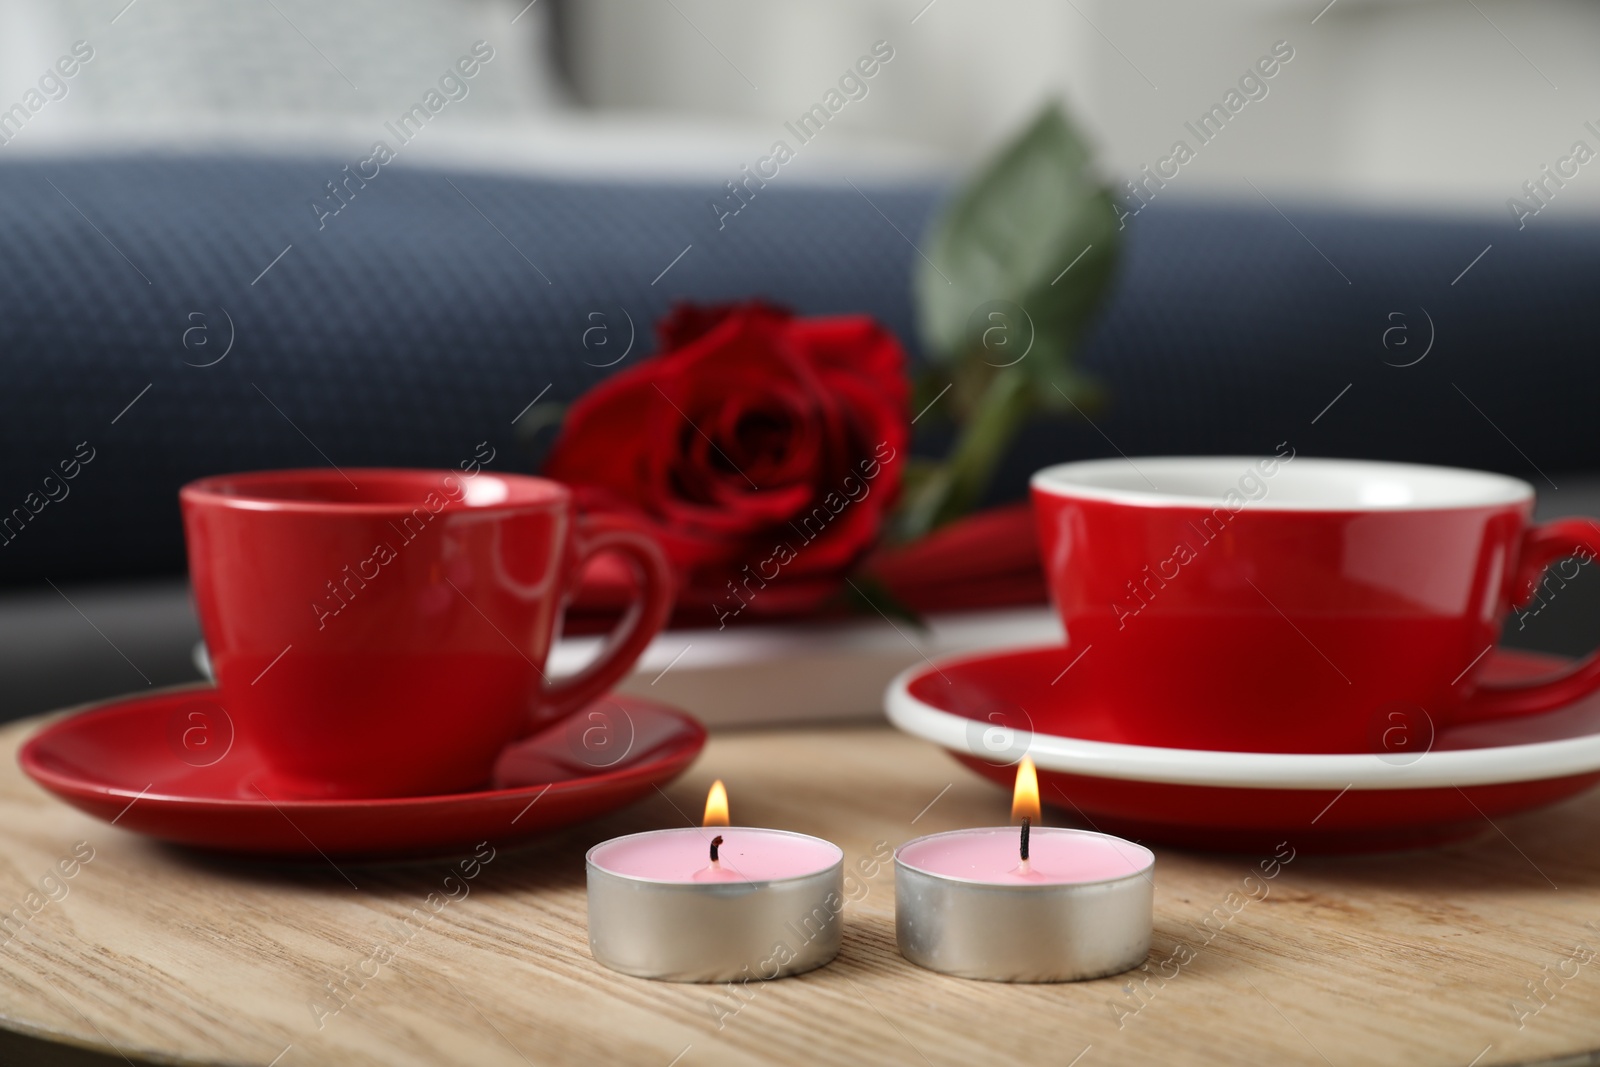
(159,955)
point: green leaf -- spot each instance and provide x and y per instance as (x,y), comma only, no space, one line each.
(952,488)
(1032,238)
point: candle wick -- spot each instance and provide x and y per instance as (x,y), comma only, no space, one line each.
(716,842)
(1023,850)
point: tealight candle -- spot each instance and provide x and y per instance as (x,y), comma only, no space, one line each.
(1025,904)
(715,903)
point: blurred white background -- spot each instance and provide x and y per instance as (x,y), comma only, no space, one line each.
(1427,104)
(1449,104)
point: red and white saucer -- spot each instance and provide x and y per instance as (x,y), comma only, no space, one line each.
(981,707)
(168,765)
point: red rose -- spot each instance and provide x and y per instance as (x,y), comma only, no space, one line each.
(765,450)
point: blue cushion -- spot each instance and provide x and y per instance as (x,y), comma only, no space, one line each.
(425,315)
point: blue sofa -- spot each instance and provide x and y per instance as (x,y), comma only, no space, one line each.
(425,315)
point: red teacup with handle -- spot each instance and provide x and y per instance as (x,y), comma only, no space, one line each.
(1286,604)
(379,632)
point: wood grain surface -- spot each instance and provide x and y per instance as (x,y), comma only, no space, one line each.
(153,954)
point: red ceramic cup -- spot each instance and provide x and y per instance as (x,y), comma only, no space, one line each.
(1291,604)
(384,632)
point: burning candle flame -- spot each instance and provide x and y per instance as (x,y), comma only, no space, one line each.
(1025,798)
(717,805)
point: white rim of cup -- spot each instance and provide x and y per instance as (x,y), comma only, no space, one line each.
(1365,485)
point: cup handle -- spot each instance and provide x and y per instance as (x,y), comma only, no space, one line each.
(1541,546)
(644,618)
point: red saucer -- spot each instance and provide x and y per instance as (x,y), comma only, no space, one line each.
(1426,788)
(169,766)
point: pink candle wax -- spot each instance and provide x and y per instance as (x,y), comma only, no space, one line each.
(746,854)
(1081,906)
(1056,856)
(770,905)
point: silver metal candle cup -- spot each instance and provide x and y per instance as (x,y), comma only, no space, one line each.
(715,931)
(1028,932)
